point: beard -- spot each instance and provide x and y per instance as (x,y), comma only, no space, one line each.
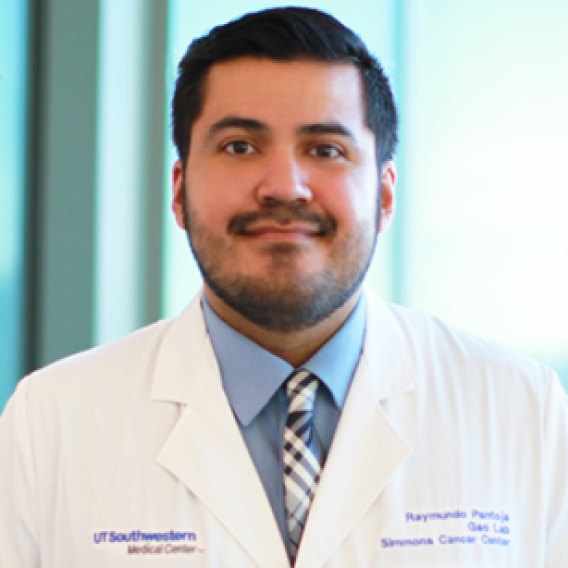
(285,299)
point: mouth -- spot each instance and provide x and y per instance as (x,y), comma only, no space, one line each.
(282,224)
(275,231)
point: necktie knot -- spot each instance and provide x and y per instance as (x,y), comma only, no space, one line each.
(301,389)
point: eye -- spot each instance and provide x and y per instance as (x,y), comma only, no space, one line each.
(328,151)
(239,147)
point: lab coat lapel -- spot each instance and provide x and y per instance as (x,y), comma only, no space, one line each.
(366,451)
(206,451)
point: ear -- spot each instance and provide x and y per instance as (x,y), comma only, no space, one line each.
(388,201)
(177,193)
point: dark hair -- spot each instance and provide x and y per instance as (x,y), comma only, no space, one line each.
(283,34)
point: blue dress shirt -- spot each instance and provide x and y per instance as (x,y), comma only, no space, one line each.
(253,380)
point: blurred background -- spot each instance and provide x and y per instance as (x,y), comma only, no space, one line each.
(88,247)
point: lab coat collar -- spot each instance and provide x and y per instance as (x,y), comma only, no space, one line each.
(386,351)
(367,451)
(205,450)
(207,453)
(180,359)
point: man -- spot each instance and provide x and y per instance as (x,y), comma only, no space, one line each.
(286,417)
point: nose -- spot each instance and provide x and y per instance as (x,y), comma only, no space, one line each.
(284,180)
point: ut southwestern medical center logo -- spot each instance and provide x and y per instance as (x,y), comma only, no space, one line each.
(141,542)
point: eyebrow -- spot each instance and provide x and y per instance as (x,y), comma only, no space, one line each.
(232,121)
(326,128)
(253,125)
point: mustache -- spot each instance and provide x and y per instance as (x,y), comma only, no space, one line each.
(284,215)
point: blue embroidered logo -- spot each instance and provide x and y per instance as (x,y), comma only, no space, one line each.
(141,542)
(488,528)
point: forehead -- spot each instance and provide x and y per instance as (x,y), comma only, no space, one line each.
(281,93)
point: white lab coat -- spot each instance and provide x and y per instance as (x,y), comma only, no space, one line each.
(441,437)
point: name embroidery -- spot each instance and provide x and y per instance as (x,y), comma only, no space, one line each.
(489,528)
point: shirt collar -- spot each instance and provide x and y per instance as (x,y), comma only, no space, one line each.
(251,375)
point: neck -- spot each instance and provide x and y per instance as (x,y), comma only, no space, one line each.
(294,347)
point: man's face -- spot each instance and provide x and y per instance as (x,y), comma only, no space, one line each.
(280,190)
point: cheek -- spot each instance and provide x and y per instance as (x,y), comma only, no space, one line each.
(365,198)
(212,201)
(351,202)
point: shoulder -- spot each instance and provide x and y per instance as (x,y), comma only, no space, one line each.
(442,352)
(105,370)
(122,374)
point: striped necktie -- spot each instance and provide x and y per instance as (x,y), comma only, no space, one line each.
(301,466)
